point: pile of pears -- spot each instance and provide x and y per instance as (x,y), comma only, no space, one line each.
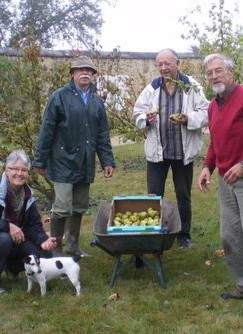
(149,217)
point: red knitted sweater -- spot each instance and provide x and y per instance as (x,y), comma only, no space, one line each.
(226,132)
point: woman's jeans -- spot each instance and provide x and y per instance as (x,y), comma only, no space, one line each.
(12,255)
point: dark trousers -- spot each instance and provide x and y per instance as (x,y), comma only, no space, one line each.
(12,255)
(182,179)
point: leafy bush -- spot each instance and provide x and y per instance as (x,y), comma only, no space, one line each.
(26,83)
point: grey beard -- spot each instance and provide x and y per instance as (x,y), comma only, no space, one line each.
(218,89)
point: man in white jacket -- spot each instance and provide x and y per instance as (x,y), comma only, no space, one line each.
(172,110)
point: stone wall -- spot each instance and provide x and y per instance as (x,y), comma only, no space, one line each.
(133,64)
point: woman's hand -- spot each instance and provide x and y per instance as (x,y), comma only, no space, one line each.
(49,244)
(16,233)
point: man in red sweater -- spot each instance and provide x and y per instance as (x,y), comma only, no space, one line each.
(225,151)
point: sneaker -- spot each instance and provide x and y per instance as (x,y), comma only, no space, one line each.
(184,243)
(3,292)
(232,295)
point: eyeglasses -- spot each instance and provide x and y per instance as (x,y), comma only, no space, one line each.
(19,170)
(216,72)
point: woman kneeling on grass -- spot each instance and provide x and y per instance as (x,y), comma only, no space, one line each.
(21,231)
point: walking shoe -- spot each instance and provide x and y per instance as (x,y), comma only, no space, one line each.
(232,295)
(184,243)
(15,278)
(3,292)
(78,252)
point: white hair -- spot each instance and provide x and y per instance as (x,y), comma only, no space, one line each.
(17,155)
(227,61)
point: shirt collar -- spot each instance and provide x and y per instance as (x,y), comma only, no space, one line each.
(223,97)
(79,90)
(163,80)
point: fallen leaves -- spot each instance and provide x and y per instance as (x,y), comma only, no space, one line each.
(219,253)
(208,263)
(112,298)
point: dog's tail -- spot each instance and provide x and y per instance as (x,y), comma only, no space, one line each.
(80,255)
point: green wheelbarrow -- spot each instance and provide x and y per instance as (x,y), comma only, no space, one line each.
(138,245)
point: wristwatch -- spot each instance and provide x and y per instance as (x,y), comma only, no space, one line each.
(241,163)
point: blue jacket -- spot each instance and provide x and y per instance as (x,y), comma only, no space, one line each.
(31,224)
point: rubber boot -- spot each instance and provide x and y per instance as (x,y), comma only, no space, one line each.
(72,232)
(57,228)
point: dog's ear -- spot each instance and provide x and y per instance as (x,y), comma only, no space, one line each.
(37,259)
(27,259)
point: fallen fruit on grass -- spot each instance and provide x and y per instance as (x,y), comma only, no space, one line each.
(208,263)
(209,306)
(113,297)
(219,253)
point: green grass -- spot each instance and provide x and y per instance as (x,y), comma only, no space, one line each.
(191,302)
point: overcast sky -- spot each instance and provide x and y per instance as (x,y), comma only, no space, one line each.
(148,26)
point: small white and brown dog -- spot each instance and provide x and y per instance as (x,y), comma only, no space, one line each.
(41,270)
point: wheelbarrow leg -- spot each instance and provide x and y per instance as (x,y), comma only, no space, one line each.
(159,270)
(156,267)
(119,268)
(115,270)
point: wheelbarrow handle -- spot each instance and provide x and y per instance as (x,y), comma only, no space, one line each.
(94,243)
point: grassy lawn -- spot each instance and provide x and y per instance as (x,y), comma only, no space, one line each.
(191,302)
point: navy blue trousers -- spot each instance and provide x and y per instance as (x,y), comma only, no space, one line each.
(12,255)
(182,178)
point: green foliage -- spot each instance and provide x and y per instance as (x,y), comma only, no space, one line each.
(5,18)
(50,21)
(119,93)
(182,86)
(26,83)
(220,35)
(22,99)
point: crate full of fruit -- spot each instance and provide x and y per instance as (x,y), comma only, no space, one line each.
(135,214)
